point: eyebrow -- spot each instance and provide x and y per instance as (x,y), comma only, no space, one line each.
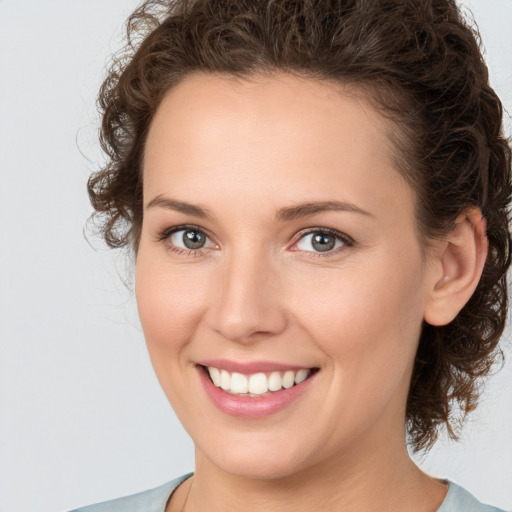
(283,214)
(307,209)
(179,206)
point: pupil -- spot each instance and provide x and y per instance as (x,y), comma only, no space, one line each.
(193,239)
(323,243)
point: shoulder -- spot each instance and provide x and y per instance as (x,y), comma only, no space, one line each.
(460,500)
(152,500)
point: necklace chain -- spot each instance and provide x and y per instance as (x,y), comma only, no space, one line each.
(188,494)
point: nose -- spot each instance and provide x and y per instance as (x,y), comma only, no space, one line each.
(246,304)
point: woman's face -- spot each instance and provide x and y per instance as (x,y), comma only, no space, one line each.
(279,242)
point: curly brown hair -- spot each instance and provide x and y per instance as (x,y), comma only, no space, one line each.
(419,61)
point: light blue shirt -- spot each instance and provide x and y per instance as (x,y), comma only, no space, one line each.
(155,500)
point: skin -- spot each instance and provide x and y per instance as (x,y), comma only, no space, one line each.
(257,290)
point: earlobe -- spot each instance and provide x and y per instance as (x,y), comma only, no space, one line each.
(459,264)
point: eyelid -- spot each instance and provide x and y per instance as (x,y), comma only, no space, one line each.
(342,237)
(165,234)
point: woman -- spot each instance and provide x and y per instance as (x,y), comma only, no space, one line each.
(316,194)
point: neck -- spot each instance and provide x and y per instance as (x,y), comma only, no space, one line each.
(378,479)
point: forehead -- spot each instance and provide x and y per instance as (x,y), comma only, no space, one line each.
(282,135)
(207,106)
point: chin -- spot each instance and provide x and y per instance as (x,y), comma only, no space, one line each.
(256,460)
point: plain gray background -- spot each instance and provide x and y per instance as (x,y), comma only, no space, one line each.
(82,416)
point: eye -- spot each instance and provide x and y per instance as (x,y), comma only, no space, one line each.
(322,241)
(186,239)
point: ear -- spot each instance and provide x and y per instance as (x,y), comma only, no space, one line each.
(458,264)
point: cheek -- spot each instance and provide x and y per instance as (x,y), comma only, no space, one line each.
(169,302)
(366,314)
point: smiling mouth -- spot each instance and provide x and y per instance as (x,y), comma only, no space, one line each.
(257,384)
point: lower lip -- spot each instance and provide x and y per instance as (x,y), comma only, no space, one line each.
(255,407)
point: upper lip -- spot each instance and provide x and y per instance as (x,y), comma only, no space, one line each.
(250,367)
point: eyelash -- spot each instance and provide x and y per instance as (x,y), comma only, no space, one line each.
(341,237)
(165,235)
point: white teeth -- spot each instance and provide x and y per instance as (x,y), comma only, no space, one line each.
(225,380)
(215,375)
(301,376)
(288,379)
(256,384)
(239,383)
(274,382)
